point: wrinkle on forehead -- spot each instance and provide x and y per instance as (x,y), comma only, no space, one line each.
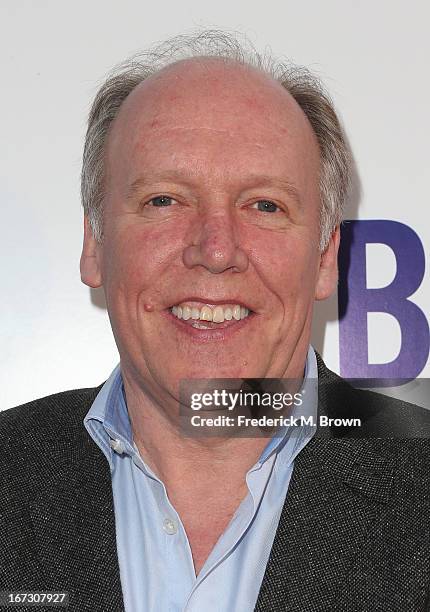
(211,131)
(188,128)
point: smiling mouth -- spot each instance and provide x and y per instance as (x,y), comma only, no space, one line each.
(205,316)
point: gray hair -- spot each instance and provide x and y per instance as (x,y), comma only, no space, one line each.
(304,87)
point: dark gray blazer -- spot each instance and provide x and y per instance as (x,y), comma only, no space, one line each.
(354,534)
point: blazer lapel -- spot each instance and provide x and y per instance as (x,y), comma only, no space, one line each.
(337,490)
(330,507)
(74,523)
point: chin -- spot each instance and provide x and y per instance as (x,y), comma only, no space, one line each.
(224,371)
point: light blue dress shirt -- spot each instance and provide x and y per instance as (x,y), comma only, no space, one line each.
(155,560)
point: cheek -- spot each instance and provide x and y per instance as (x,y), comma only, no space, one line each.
(137,254)
(286,262)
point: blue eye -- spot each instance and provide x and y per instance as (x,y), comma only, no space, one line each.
(161,201)
(266,206)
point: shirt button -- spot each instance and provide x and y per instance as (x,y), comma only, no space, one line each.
(170,526)
(117,446)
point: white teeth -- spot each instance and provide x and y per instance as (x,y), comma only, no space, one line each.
(217,314)
(206,314)
(186,313)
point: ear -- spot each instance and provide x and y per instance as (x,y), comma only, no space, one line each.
(90,258)
(328,272)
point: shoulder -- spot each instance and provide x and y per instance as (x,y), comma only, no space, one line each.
(67,404)
(381,416)
(45,419)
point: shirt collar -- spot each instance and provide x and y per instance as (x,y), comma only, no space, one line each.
(108,422)
(308,408)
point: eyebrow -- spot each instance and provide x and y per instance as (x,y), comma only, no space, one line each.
(171,176)
(265,180)
(254,181)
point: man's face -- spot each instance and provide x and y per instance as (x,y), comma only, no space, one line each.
(212,200)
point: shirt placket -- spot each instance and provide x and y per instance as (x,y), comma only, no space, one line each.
(179,576)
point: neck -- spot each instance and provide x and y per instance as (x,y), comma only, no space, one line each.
(174,457)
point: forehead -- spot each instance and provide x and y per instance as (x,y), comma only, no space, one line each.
(209,108)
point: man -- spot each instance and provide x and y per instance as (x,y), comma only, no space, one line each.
(213,192)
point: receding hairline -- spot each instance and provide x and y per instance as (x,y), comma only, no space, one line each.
(285,99)
(208,62)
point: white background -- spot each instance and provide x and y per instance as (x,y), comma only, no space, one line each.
(372,55)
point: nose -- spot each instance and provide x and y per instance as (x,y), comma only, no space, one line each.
(215,244)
